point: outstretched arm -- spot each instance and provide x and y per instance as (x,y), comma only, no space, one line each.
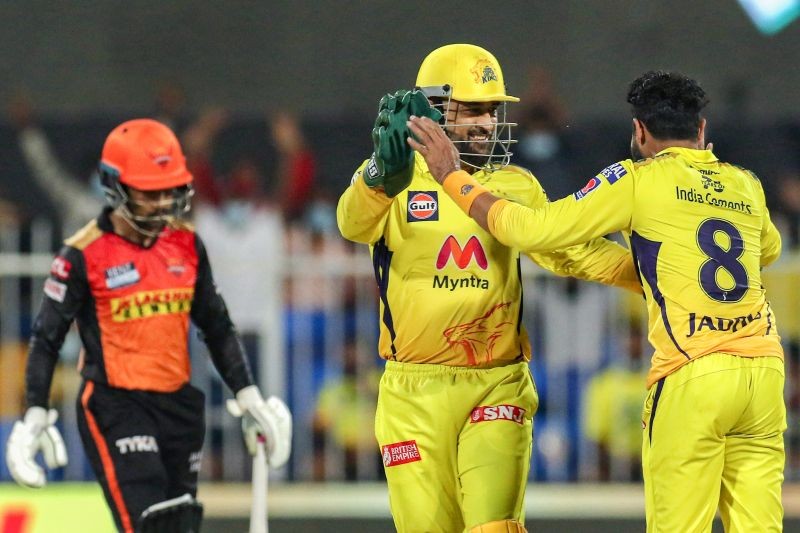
(597,210)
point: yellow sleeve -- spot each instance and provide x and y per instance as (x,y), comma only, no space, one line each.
(598,209)
(770,241)
(599,260)
(770,237)
(361,212)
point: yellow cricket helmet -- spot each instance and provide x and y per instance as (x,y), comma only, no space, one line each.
(471,72)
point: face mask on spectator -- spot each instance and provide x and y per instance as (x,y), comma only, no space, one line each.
(237,212)
(539,145)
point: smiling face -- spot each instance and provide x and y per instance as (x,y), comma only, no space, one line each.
(471,126)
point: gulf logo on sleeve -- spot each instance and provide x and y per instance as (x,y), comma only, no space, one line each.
(423,205)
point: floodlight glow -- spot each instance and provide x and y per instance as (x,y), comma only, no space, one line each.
(771,16)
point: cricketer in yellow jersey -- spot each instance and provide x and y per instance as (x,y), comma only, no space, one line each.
(700,231)
(456,399)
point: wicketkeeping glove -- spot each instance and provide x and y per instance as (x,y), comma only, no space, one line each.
(391,165)
(34,433)
(271,419)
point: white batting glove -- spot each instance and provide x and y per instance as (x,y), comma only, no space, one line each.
(268,419)
(35,432)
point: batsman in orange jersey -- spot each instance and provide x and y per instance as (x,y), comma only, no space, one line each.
(456,401)
(132,280)
(700,232)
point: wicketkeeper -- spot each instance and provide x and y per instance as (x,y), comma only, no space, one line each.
(454,416)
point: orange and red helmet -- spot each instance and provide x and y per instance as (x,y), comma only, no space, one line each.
(145,155)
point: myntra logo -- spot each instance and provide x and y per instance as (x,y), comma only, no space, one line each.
(462,256)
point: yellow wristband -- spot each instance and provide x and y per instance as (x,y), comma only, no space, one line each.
(463,189)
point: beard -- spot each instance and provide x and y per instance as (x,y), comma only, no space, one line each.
(475,161)
(475,153)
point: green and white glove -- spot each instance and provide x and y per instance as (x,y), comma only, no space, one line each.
(392,163)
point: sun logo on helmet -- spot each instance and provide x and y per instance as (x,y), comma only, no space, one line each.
(483,71)
(161,159)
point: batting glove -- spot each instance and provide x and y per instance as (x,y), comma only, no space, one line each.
(35,432)
(269,419)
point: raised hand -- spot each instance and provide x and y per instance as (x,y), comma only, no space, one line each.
(434,145)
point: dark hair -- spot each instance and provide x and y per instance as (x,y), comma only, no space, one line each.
(668,103)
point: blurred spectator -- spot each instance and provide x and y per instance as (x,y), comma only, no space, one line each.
(543,147)
(612,410)
(198,141)
(8,212)
(244,238)
(320,216)
(170,105)
(315,295)
(786,210)
(541,92)
(72,198)
(344,419)
(317,298)
(296,166)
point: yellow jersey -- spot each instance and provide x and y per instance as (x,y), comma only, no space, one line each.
(450,293)
(699,230)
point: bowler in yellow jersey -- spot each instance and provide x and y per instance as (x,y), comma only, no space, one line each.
(700,232)
(456,400)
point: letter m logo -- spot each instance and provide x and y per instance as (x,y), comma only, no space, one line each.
(462,256)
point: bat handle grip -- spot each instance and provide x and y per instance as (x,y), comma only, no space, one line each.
(258,512)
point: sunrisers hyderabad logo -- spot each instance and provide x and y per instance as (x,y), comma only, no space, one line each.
(483,71)
(423,205)
(162,159)
(462,256)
